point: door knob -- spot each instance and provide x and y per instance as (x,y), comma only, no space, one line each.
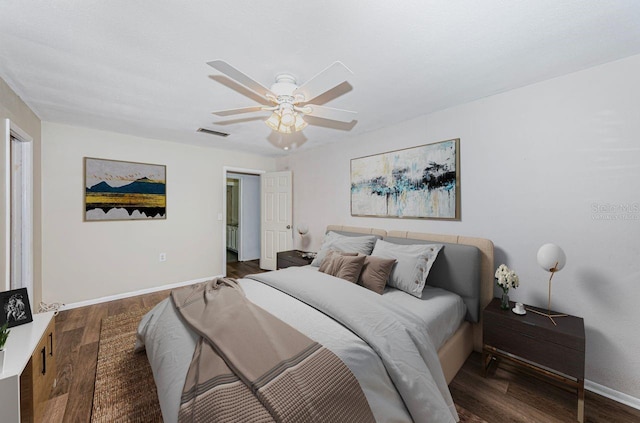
(288,226)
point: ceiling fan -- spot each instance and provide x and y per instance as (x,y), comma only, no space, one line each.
(287,101)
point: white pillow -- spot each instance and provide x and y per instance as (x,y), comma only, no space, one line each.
(345,244)
(413,264)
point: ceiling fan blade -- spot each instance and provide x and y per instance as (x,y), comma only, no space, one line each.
(241,78)
(332,76)
(330,113)
(230,112)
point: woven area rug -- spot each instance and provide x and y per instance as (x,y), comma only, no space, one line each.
(124,389)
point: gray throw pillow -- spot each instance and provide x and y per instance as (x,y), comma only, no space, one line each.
(413,264)
(347,244)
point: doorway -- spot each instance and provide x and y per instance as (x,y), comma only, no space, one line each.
(19,209)
(241,213)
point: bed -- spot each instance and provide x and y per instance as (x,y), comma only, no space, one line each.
(403,367)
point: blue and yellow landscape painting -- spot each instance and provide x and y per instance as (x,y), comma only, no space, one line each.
(117,190)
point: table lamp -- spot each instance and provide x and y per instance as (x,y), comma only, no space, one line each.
(302,229)
(552,259)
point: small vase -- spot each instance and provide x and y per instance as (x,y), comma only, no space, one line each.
(504,304)
(1,361)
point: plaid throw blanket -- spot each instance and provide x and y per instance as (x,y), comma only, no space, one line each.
(249,366)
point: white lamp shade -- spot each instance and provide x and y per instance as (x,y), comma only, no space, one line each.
(303,229)
(549,255)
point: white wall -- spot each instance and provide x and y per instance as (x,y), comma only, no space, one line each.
(249,217)
(88,260)
(534,163)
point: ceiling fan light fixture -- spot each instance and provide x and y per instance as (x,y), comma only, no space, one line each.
(290,100)
(300,123)
(274,121)
(287,117)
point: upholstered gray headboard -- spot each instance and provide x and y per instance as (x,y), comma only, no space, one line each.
(456,269)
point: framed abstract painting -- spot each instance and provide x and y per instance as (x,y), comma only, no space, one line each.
(419,182)
(117,190)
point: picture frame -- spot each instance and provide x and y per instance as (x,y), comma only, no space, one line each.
(421,182)
(122,190)
(15,307)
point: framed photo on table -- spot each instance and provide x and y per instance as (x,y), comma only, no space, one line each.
(15,307)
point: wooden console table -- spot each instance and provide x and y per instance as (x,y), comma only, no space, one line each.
(29,370)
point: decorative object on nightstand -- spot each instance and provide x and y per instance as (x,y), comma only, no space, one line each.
(506,278)
(552,259)
(519,309)
(4,334)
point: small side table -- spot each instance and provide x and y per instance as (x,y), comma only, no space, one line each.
(292,258)
(29,370)
(531,341)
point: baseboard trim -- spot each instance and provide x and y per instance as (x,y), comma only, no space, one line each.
(134,293)
(618,396)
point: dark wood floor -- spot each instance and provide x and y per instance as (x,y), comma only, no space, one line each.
(504,396)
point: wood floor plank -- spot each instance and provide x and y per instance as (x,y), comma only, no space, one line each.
(93,323)
(54,409)
(154,298)
(243,268)
(67,346)
(506,395)
(489,401)
(124,305)
(80,401)
(72,319)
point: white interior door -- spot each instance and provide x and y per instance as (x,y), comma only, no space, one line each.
(276,221)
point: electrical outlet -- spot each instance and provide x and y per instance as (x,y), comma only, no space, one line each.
(162,257)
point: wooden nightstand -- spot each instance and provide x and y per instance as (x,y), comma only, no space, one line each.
(292,258)
(533,342)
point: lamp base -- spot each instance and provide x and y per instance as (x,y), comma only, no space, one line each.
(549,315)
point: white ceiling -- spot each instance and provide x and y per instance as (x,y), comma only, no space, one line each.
(139,67)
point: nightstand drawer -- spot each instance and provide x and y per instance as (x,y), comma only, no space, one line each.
(529,346)
(537,327)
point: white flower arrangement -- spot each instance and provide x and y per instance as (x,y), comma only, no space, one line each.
(506,278)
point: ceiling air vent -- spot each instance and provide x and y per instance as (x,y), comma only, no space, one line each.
(212,132)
